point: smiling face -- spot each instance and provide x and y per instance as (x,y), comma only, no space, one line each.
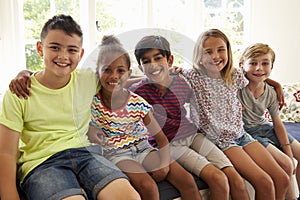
(258,68)
(113,72)
(156,66)
(215,55)
(61,52)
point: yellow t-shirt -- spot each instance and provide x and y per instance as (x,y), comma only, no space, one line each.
(50,121)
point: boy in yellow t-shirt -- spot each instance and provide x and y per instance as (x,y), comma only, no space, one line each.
(56,159)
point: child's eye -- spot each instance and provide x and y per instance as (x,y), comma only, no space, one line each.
(265,63)
(73,50)
(145,62)
(105,69)
(207,52)
(55,48)
(157,58)
(121,71)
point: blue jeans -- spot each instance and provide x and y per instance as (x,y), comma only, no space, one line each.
(266,135)
(79,171)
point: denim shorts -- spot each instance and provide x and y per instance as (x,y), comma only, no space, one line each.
(136,153)
(79,171)
(266,135)
(242,141)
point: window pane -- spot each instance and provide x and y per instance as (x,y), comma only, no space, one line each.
(35,13)
(116,16)
(235,26)
(235,3)
(68,7)
(33,61)
(212,3)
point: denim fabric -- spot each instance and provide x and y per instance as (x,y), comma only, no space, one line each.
(80,171)
(244,140)
(137,153)
(266,135)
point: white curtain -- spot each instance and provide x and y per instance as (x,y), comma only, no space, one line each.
(12,45)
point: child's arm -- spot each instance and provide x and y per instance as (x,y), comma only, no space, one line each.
(161,140)
(282,136)
(279,91)
(21,84)
(8,168)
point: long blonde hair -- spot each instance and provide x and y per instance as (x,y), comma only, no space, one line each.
(226,72)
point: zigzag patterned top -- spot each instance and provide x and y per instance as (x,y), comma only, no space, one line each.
(122,127)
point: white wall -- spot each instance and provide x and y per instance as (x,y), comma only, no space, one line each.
(277,23)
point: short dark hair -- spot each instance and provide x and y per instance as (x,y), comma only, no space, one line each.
(150,42)
(62,22)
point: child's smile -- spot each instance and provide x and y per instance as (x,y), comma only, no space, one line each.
(155,66)
(114,74)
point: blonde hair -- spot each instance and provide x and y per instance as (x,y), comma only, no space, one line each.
(255,50)
(227,71)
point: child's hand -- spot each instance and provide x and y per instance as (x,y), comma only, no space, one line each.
(280,96)
(175,70)
(20,85)
(160,174)
(95,135)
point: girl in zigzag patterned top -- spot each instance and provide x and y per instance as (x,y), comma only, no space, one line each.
(122,121)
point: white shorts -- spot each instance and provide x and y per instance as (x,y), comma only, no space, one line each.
(196,151)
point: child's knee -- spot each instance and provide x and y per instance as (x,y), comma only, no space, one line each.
(148,187)
(264,183)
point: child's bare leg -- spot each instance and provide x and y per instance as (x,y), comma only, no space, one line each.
(291,193)
(259,179)
(286,164)
(237,185)
(265,161)
(183,181)
(125,191)
(296,153)
(217,182)
(140,179)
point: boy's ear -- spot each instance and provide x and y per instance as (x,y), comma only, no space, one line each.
(39,48)
(82,53)
(171,60)
(141,68)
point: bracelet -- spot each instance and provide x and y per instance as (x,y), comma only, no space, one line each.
(282,145)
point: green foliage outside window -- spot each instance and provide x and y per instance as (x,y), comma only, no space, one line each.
(217,13)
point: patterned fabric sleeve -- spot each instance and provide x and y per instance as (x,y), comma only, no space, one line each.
(240,80)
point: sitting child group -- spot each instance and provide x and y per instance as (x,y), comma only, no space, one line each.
(70,133)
